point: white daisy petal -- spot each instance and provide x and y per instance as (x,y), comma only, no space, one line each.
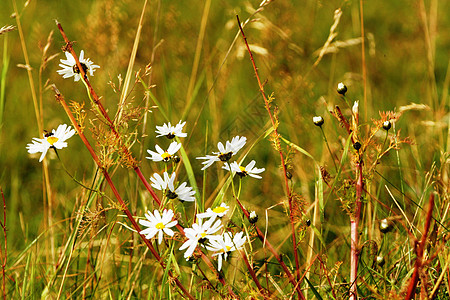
(55,139)
(225,152)
(171,131)
(158,224)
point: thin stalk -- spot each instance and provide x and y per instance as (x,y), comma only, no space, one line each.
(47,193)
(278,146)
(355,218)
(244,256)
(127,80)
(354,224)
(147,95)
(198,51)
(253,275)
(329,150)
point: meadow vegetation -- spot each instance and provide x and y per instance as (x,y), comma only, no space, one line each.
(363,190)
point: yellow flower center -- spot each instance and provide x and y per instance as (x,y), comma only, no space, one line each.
(203,234)
(219,209)
(166,156)
(52,140)
(242,169)
(223,250)
(160,226)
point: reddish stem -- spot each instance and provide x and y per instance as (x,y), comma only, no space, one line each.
(419,252)
(253,275)
(278,146)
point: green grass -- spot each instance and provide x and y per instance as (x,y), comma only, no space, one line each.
(78,244)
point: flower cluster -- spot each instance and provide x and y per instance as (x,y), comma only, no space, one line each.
(208,231)
(170,132)
(167,184)
(202,233)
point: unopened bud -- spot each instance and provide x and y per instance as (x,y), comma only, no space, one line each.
(253,217)
(318,121)
(341,89)
(385,226)
(387,125)
(380,260)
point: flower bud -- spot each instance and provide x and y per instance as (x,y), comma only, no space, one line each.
(386,226)
(341,89)
(253,217)
(387,125)
(288,175)
(380,260)
(318,121)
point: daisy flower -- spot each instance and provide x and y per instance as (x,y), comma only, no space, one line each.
(225,153)
(225,244)
(158,224)
(249,170)
(219,211)
(55,139)
(182,192)
(170,131)
(162,155)
(199,233)
(70,68)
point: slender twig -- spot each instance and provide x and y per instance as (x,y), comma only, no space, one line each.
(419,248)
(278,146)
